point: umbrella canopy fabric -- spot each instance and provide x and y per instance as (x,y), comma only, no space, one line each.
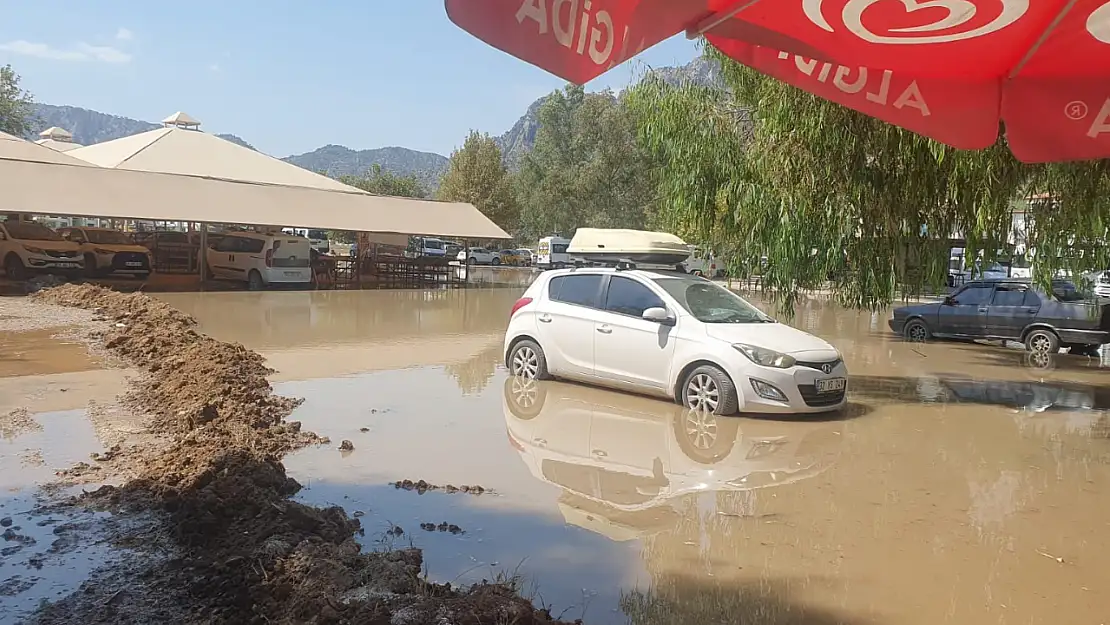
(946,69)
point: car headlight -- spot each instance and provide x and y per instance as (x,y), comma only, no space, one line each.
(101,251)
(34,250)
(765,357)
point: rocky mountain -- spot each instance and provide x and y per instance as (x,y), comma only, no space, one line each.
(519,139)
(338,160)
(89,127)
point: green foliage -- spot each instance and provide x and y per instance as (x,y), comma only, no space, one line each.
(586,169)
(16,105)
(380,182)
(765,170)
(476,175)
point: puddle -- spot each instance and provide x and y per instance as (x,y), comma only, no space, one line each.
(39,353)
(965,484)
(46,554)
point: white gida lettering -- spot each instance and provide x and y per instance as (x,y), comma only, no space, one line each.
(879,93)
(1102,121)
(950,15)
(573,25)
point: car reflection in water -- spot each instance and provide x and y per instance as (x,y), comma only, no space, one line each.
(622,459)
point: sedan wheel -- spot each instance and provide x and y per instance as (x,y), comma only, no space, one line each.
(1042,341)
(916,331)
(527,361)
(709,389)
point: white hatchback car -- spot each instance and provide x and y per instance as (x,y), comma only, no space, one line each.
(673,335)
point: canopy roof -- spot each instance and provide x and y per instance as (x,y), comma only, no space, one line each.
(36,179)
(175,150)
(54,132)
(61,146)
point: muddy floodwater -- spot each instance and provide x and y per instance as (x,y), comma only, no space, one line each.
(964,483)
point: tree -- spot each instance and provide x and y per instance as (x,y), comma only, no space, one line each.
(586,168)
(381,182)
(477,175)
(768,171)
(16,105)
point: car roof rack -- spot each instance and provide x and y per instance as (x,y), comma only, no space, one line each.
(625,264)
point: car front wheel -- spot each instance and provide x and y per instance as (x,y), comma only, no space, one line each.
(527,360)
(709,389)
(916,331)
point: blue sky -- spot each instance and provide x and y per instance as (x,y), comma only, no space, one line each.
(286,76)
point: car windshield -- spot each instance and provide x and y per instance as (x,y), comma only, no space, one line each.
(711,303)
(108,237)
(30,231)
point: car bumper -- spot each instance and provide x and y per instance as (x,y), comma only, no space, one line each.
(896,325)
(1084,337)
(797,384)
(1102,290)
(36,262)
(287,275)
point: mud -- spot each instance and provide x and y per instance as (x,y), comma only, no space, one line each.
(421,487)
(242,551)
(15,423)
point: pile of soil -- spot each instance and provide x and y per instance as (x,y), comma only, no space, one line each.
(244,551)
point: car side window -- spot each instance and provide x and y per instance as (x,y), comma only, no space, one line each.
(251,246)
(228,244)
(1031,299)
(974,295)
(575,289)
(625,296)
(1009,295)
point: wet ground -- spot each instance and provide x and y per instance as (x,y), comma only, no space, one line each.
(964,484)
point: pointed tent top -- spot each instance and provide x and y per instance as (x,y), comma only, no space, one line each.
(57,134)
(175,150)
(61,146)
(15,149)
(182,120)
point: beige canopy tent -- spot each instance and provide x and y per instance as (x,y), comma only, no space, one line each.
(181,148)
(36,179)
(58,139)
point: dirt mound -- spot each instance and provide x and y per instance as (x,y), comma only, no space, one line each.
(247,553)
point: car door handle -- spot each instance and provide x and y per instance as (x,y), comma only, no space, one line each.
(605,329)
(1031,311)
(545,318)
(983,310)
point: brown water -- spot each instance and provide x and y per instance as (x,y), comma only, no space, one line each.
(964,484)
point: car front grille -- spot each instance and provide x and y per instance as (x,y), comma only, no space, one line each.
(816,400)
(61,254)
(818,365)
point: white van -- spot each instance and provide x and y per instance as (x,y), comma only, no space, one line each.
(551,253)
(422,247)
(318,239)
(703,263)
(261,259)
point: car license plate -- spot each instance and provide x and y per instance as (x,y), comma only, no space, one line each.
(133,264)
(831,385)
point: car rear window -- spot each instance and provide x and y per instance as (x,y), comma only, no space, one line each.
(580,289)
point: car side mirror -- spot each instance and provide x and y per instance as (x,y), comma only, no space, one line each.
(948,301)
(658,314)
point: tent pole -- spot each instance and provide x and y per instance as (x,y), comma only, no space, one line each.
(466,264)
(203,254)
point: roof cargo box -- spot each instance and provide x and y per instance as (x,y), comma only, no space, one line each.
(603,245)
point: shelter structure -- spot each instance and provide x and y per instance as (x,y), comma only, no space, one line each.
(58,139)
(179,147)
(36,179)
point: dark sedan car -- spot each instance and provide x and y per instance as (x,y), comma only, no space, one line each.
(1010,310)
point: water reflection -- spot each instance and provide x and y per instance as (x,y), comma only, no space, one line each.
(622,460)
(1029,396)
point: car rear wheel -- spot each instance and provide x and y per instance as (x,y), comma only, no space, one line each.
(471,261)
(527,360)
(916,331)
(709,389)
(495,262)
(254,281)
(1042,341)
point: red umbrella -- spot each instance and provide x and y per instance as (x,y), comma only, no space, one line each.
(947,69)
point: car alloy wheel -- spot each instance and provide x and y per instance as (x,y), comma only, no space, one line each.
(1040,343)
(702,393)
(526,363)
